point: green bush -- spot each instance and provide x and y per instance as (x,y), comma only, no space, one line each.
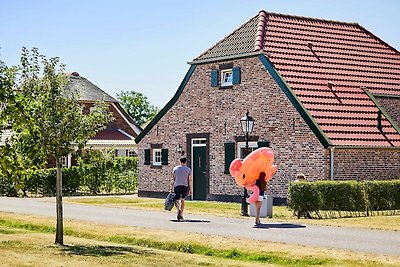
(41,182)
(304,199)
(383,195)
(8,187)
(343,199)
(95,176)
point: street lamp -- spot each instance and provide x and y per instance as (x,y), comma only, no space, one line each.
(246,123)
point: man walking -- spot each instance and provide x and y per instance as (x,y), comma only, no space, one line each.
(181,185)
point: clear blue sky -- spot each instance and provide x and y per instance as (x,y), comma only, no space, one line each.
(145,45)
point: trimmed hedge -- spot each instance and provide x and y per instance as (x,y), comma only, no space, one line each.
(8,187)
(118,175)
(330,199)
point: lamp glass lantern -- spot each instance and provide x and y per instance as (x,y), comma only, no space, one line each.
(247,124)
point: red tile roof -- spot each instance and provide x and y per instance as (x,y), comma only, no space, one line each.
(111,134)
(333,68)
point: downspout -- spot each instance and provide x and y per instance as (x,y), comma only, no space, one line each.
(332,149)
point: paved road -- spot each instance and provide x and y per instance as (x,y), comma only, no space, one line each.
(363,240)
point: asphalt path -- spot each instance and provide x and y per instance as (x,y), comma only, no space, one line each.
(355,239)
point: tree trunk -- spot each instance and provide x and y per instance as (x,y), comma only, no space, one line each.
(59,205)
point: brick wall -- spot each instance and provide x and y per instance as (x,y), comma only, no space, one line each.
(119,121)
(392,106)
(367,164)
(204,109)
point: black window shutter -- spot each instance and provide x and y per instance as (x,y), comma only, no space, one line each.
(229,155)
(214,78)
(164,156)
(263,143)
(147,157)
(236,75)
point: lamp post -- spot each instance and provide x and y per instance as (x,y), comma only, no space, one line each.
(246,123)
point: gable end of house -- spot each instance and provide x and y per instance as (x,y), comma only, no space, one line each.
(165,109)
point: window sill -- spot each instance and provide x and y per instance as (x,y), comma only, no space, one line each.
(155,166)
(226,87)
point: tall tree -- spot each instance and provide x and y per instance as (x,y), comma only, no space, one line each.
(137,105)
(49,121)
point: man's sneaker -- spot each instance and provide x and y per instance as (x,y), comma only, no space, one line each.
(180,218)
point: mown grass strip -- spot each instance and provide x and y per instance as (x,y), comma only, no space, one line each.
(236,254)
(7,232)
(28,226)
(184,247)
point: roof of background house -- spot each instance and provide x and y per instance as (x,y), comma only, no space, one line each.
(112,137)
(87,90)
(334,68)
(112,134)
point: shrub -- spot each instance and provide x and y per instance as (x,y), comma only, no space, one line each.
(304,199)
(94,176)
(8,186)
(346,198)
(383,195)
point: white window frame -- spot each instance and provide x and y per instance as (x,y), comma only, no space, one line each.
(199,142)
(66,161)
(130,153)
(226,77)
(157,157)
(242,145)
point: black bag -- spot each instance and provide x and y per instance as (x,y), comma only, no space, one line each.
(169,201)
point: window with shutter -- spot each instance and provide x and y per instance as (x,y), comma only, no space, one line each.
(236,75)
(164,156)
(214,78)
(229,155)
(147,157)
(157,157)
(241,151)
(226,77)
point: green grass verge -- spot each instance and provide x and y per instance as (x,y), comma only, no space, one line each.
(184,247)
(220,253)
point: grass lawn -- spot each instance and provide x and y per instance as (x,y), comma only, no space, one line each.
(29,241)
(225,209)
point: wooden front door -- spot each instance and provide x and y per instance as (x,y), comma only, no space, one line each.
(199,165)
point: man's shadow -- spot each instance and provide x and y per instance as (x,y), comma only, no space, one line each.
(279,225)
(191,221)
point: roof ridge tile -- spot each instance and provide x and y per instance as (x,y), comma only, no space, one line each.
(260,33)
(313,19)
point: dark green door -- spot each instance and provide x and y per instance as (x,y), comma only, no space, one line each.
(199,173)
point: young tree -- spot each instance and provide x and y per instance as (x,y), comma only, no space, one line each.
(50,121)
(137,105)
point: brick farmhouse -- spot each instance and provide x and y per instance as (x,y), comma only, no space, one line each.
(119,134)
(325,96)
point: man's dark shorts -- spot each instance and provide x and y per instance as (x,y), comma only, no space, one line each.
(180,191)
